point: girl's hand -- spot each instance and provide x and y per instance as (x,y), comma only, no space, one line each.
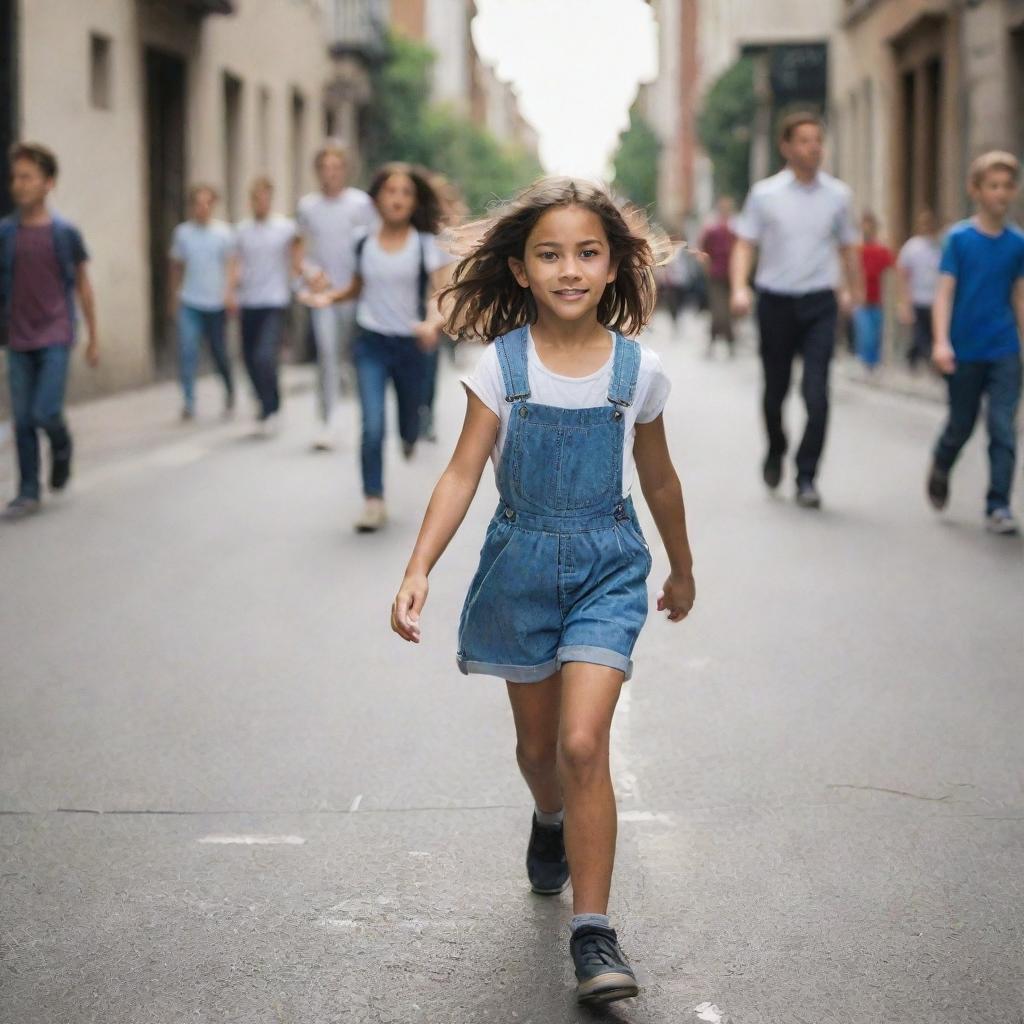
(677,597)
(405,612)
(428,335)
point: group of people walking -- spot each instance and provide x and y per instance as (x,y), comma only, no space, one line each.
(364,263)
(962,296)
(566,405)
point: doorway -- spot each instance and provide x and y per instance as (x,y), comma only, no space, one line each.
(8,94)
(165,154)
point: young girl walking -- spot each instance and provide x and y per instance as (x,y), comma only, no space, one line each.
(565,404)
(398,266)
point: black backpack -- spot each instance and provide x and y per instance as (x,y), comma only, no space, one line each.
(424,274)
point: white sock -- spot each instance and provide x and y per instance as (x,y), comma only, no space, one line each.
(552,818)
(582,920)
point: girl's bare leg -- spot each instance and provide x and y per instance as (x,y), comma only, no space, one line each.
(589,696)
(535,709)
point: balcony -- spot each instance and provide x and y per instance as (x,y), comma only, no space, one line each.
(358,28)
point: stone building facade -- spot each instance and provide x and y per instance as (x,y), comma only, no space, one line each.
(141,97)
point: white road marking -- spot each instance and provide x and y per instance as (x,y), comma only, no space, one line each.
(418,853)
(354,806)
(708,1012)
(661,819)
(254,840)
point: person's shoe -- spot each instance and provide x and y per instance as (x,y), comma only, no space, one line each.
(546,866)
(270,426)
(427,431)
(324,441)
(21,508)
(187,415)
(408,449)
(374,516)
(602,972)
(938,487)
(1000,520)
(60,468)
(807,495)
(772,471)
(229,405)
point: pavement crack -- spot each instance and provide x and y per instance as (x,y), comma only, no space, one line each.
(890,792)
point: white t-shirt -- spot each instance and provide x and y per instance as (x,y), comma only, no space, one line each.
(798,228)
(591,392)
(264,251)
(390,302)
(204,250)
(920,257)
(330,225)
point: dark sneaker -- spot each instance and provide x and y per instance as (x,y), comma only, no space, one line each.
(807,495)
(60,468)
(602,972)
(546,865)
(938,487)
(1000,520)
(408,449)
(21,508)
(772,471)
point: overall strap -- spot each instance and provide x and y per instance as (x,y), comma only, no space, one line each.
(511,349)
(423,281)
(625,371)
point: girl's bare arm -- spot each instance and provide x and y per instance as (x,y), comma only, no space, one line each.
(447,508)
(664,495)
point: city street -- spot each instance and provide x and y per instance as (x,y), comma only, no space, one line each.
(229,793)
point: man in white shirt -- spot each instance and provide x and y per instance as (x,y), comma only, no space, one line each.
(266,244)
(918,265)
(800,224)
(330,220)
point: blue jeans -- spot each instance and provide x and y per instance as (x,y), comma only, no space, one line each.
(1001,381)
(193,326)
(37,380)
(868,322)
(262,328)
(380,358)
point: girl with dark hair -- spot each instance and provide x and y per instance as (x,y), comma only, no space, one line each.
(397,268)
(565,405)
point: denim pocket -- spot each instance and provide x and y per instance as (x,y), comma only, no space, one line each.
(499,535)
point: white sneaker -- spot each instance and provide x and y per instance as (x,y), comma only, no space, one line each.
(374,516)
(271,426)
(1000,520)
(324,441)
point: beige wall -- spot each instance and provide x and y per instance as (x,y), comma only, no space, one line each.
(274,44)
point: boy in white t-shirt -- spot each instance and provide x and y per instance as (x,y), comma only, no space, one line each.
(918,266)
(330,220)
(265,248)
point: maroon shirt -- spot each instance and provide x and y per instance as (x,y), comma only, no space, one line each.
(717,241)
(39,307)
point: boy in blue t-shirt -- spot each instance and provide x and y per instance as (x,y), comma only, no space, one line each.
(978,324)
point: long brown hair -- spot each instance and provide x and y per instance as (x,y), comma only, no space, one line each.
(485,301)
(426,215)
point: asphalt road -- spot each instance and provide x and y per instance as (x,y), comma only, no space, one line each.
(229,794)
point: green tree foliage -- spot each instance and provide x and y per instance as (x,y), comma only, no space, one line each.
(636,162)
(724,126)
(402,124)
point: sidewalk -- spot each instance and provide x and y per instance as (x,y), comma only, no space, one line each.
(137,423)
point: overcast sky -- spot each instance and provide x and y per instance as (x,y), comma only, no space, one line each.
(576,66)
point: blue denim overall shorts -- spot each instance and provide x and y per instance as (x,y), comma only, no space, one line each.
(564,566)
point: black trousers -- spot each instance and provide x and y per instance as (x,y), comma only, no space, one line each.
(793,325)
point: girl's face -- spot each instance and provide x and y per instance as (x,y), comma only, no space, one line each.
(567,263)
(396,200)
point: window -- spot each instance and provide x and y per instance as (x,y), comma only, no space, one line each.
(263,129)
(297,142)
(232,144)
(100,74)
